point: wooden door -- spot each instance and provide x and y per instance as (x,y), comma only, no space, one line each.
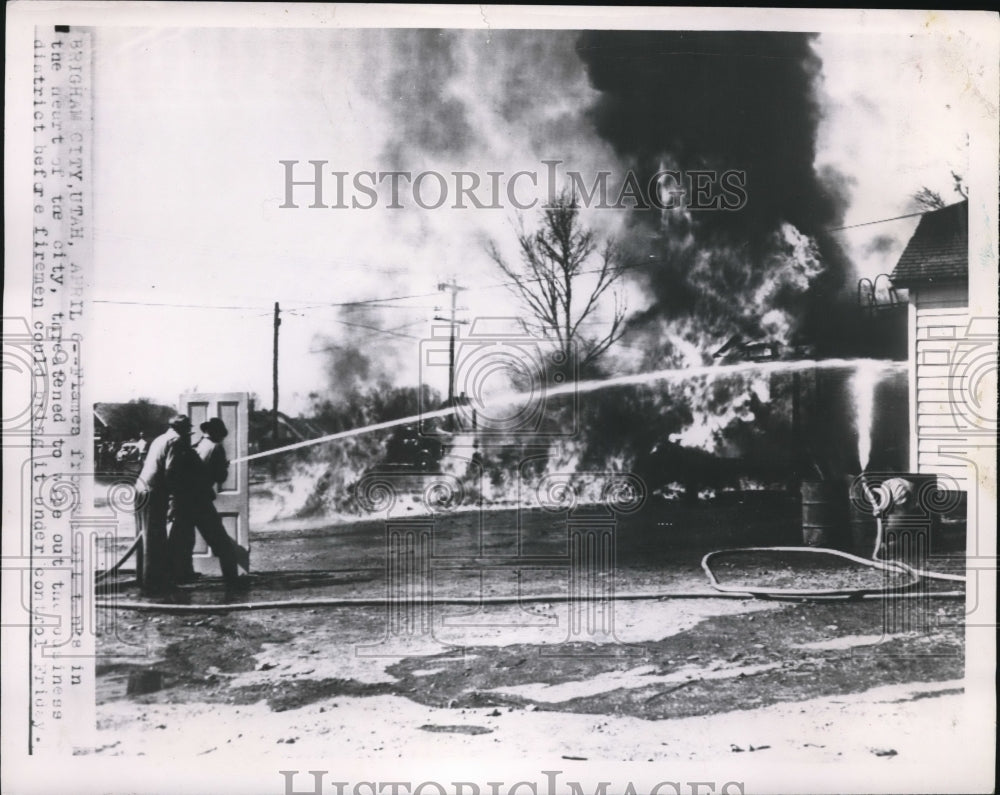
(233,499)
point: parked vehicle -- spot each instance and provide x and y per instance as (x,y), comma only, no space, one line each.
(129,452)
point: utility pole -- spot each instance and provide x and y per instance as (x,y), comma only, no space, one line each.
(274,377)
(453,288)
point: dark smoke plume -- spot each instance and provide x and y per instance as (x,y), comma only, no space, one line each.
(718,100)
(359,357)
(725,100)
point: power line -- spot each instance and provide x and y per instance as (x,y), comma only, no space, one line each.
(297,311)
(380,330)
(178,306)
(370,301)
(407,325)
(880,221)
(374,329)
(262,308)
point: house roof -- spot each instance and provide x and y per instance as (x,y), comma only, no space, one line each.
(938,250)
(99,415)
(302,429)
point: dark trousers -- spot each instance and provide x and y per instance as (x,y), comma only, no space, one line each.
(152,564)
(180,545)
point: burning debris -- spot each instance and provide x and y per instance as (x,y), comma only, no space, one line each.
(739,349)
(752,282)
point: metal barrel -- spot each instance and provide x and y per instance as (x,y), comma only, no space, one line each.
(861,517)
(863,531)
(824,513)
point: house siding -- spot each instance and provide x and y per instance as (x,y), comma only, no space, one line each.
(939,318)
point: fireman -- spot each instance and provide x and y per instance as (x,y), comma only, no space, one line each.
(205,468)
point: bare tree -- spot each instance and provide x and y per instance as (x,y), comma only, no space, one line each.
(927,199)
(548,280)
(959,185)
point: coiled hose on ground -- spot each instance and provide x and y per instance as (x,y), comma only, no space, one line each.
(904,591)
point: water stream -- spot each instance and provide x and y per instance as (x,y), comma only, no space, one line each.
(863,386)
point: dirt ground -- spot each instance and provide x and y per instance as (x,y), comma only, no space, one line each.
(659,678)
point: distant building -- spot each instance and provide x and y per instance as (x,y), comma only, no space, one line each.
(934,268)
(101,428)
(290,430)
(120,422)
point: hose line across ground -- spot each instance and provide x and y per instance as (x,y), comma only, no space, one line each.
(121,561)
(233,607)
(721,591)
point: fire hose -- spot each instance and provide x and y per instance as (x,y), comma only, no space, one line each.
(721,591)
(121,561)
(283,604)
(880,508)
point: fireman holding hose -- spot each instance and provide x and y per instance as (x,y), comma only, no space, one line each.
(205,468)
(163,474)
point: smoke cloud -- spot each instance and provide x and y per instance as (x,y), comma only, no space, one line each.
(359,356)
(715,100)
(642,102)
(504,99)
(429,116)
(747,101)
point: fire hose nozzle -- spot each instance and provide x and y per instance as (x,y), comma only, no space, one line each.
(879,507)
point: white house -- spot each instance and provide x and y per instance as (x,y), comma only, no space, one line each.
(948,351)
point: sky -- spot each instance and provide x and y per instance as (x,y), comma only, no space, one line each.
(192,247)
